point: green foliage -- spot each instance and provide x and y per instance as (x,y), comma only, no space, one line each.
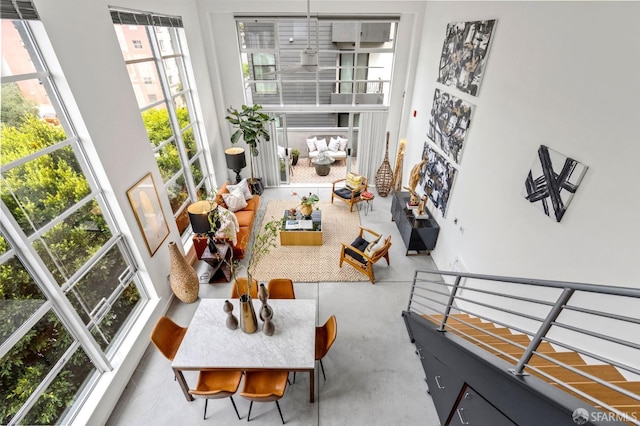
(263,242)
(45,186)
(35,193)
(14,106)
(156,121)
(252,126)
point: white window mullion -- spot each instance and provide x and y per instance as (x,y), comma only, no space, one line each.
(38,270)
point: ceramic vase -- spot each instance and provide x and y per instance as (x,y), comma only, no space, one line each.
(232,321)
(265,311)
(182,277)
(306,210)
(248,320)
(268,328)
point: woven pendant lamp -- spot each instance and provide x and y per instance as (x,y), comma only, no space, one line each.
(384,176)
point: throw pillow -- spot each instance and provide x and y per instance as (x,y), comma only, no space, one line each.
(354,181)
(371,250)
(370,246)
(334,145)
(243,186)
(343,143)
(321,144)
(235,200)
(311,144)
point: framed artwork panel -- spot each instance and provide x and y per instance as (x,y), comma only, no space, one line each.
(144,200)
(437,178)
(464,54)
(449,122)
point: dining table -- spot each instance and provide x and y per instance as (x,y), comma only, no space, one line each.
(209,344)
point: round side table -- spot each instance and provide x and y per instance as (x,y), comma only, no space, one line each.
(369,202)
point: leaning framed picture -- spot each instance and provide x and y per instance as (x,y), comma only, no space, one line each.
(146,206)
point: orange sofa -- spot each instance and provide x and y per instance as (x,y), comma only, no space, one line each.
(245,217)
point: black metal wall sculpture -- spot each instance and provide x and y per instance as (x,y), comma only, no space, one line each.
(552,181)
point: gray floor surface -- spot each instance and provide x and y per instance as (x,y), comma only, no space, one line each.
(373,374)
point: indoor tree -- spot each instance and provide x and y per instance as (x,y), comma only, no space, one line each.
(252,125)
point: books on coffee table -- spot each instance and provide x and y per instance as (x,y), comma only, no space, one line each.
(299,224)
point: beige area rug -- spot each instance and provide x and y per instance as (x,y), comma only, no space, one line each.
(312,263)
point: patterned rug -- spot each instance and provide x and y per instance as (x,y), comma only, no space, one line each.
(312,263)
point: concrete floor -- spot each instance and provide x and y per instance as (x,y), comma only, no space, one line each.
(373,374)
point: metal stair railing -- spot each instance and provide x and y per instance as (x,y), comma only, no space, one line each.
(600,323)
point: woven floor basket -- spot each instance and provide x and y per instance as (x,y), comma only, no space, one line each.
(384,176)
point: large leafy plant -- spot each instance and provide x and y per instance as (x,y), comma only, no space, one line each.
(252,125)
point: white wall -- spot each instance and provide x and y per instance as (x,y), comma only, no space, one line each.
(559,74)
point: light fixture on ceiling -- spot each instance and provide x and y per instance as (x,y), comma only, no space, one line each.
(308,56)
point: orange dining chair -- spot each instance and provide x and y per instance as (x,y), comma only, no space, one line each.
(281,288)
(325,336)
(242,285)
(217,384)
(167,336)
(264,386)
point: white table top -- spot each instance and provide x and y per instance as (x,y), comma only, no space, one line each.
(208,342)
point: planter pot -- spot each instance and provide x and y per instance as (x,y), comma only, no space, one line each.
(182,277)
(294,160)
(306,210)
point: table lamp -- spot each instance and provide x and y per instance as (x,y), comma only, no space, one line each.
(236,161)
(199,216)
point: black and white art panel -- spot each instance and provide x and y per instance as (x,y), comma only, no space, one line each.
(449,122)
(437,178)
(464,54)
(552,181)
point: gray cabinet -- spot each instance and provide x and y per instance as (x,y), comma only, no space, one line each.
(470,386)
(473,409)
(418,235)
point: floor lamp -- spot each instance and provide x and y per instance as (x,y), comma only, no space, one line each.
(236,161)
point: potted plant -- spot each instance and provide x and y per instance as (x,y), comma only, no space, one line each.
(307,202)
(295,154)
(252,125)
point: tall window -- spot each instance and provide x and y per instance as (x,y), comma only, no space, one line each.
(355,59)
(158,72)
(264,68)
(68,286)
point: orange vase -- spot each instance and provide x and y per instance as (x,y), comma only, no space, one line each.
(306,210)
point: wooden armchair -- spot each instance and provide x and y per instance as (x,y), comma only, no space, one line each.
(349,189)
(362,253)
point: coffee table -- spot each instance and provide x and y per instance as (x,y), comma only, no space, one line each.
(310,234)
(323,165)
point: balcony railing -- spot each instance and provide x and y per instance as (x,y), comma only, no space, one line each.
(599,323)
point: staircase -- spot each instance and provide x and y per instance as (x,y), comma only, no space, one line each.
(507,322)
(543,363)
